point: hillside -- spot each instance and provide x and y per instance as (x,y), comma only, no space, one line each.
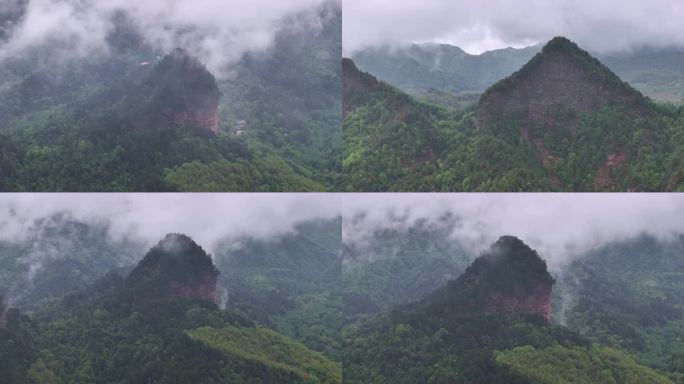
(564,122)
(628,294)
(397,267)
(59,255)
(455,335)
(290,283)
(164,304)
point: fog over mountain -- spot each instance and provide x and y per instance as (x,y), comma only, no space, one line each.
(218,32)
(559,226)
(207,218)
(478,26)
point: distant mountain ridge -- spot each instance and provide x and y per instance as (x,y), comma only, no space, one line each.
(441,66)
(423,68)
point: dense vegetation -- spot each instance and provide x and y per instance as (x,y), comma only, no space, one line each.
(291,283)
(629,295)
(577,365)
(441,67)
(89,125)
(395,143)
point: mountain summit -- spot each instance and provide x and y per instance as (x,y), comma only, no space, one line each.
(175,268)
(182,91)
(509,277)
(559,83)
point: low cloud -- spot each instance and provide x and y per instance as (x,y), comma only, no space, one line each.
(559,226)
(220,32)
(207,218)
(602,26)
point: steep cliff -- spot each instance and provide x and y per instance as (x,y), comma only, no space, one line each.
(181,91)
(357,86)
(175,268)
(510,277)
(552,89)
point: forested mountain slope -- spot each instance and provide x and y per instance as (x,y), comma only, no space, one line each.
(564,122)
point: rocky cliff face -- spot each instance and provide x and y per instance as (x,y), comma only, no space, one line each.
(201,288)
(557,85)
(175,268)
(510,277)
(536,301)
(182,92)
(357,86)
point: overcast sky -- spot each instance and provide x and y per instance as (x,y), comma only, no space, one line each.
(480,25)
(559,226)
(207,218)
(218,31)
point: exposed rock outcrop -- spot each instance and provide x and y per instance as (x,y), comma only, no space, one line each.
(559,83)
(536,300)
(357,86)
(182,92)
(175,268)
(510,277)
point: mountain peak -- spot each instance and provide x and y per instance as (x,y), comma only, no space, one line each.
(509,277)
(183,92)
(176,243)
(176,267)
(561,43)
(547,98)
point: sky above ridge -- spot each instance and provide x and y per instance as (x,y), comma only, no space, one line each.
(603,26)
(560,226)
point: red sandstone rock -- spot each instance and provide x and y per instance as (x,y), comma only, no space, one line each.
(537,302)
(202,289)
